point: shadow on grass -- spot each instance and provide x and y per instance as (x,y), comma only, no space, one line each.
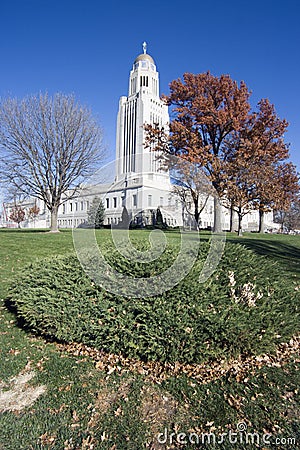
(286,254)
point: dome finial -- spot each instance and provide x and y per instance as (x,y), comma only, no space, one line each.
(145,47)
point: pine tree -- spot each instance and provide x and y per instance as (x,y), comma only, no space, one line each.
(159,219)
(96,214)
(125,220)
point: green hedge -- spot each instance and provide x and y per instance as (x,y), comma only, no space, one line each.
(191,323)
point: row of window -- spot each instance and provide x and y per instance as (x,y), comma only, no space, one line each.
(156,103)
(76,206)
(70,222)
(155,119)
(144,65)
(109,203)
(144,82)
(114,202)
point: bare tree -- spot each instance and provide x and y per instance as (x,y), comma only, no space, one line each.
(289,218)
(191,186)
(48,146)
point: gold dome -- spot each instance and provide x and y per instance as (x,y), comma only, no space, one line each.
(144,57)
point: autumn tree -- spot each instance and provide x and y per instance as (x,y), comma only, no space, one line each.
(33,212)
(17,215)
(287,206)
(48,146)
(293,216)
(278,191)
(289,218)
(256,164)
(264,144)
(205,110)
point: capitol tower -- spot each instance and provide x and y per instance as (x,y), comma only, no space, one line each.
(142,106)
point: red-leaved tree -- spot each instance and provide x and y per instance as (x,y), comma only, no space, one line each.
(205,111)
(17,215)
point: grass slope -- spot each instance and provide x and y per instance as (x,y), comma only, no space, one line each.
(89,408)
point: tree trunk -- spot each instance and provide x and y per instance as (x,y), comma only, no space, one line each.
(240,231)
(54,214)
(261,221)
(196,215)
(231,219)
(217,216)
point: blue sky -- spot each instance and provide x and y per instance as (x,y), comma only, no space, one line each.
(87,47)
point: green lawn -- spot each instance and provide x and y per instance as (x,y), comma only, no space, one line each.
(94,404)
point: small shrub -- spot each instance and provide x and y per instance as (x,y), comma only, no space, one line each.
(245,307)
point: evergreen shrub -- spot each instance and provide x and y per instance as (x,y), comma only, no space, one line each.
(246,307)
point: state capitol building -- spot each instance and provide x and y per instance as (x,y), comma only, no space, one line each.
(138,183)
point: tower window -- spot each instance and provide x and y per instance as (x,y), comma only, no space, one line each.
(107,203)
(115,202)
(144,81)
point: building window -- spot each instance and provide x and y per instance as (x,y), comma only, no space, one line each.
(107,203)
(115,202)
(149,200)
(64,208)
(82,206)
(76,206)
(71,207)
(134,200)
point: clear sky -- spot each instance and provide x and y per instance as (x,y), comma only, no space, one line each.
(87,47)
